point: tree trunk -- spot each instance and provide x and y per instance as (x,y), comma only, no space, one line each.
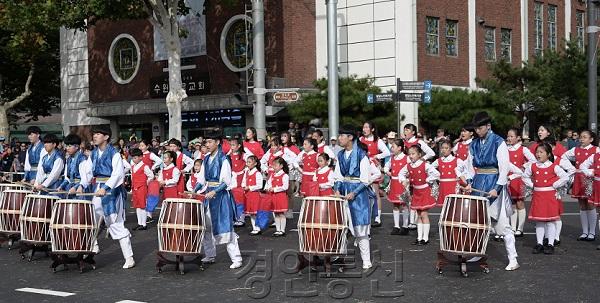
(176,92)
(4,126)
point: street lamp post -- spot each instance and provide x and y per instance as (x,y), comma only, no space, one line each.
(592,64)
(332,71)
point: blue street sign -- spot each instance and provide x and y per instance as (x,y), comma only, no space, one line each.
(427,96)
(370,98)
(427,85)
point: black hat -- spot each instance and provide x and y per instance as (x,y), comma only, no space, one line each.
(33,129)
(481,118)
(347,130)
(101,129)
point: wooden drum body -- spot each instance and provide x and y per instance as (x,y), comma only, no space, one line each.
(464,225)
(35,218)
(181,226)
(73,226)
(323,225)
(10,210)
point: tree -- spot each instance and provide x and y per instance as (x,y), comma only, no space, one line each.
(163,15)
(29,60)
(354,109)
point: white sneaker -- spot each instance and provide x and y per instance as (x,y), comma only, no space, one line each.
(512,265)
(367,266)
(129,263)
(208,260)
(235,265)
(96,249)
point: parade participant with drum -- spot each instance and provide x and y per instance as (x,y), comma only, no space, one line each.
(51,165)
(34,153)
(352,179)
(488,154)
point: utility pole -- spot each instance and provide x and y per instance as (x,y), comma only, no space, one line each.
(592,64)
(332,70)
(258,45)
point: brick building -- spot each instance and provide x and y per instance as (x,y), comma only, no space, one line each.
(115,73)
(450,42)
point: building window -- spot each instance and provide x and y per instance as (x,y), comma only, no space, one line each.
(433,36)
(505,44)
(124,58)
(552,40)
(580,19)
(490,43)
(452,38)
(539,28)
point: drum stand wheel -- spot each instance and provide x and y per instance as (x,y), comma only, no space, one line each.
(316,261)
(80,259)
(442,262)
(29,249)
(179,262)
(10,238)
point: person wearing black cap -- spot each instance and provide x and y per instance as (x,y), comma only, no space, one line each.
(488,155)
(76,178)
(51,165)
(214,179)
(34,153)
(107,167)
(351,175)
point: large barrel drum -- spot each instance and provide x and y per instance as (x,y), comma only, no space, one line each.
(35,218)
(181,226)
(73,226)
(464,225)
(323,225)
(10,210)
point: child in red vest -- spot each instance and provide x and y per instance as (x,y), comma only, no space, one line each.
(461,149)
(591,168)
(519,156)
(277,186)
(169,176)
(307,165)
(238,166)
(324,176)
(252,183)
(451,168)
(392,168)
(587,212)
(193,180)
(545,178)
(141,175)
(419,174)
(182,162)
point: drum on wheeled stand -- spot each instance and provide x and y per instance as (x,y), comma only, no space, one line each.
(180,232)
(35,224)
(11,203)
(322,230)
(464,228)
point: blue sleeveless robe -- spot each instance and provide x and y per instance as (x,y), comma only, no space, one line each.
(222,206)
(34,153)
(102,168)
(48,165)
(73,174)
(484,157)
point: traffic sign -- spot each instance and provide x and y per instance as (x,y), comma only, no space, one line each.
(286,97)
(381,98)
(413,85)
(427,96)
(411,97)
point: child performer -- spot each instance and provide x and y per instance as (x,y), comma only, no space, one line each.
(238,165)
(307,164)
(545,178)
(322,147)
(519,157)
(107,167)
(275,151)
(251,144)
(377,151)
(34,153)
(591,168)
(141,175)
(149,158)
(73,179)
(154,162)
(51,165)
(277,186)
(169,176)
(461,149)
(213,180)
(193,180)
(252,183)
(452,170)
(324,176)
(419,174)
(587,211)
(182,162)
(392,168)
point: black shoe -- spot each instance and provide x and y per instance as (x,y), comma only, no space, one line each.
(149,220)
(545,242)
(497,238)
(538,249)
(583,237)
(417,242)
(395,231)
(403,231)
(591,238)
(142,228)
(137,227)
(423,242)
(556,243)
(518,234)
(549,250)
(376,224)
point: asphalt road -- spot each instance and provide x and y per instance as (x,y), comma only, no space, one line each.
(402,273)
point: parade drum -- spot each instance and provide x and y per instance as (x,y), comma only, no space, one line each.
(10,210)
(464,225)
(7,186)
(181,226)
(73,226)
(35,218)
(323,225)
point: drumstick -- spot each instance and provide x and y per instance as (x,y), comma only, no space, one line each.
(191,193)
(480,191)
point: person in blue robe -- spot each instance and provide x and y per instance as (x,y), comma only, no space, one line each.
(34,153)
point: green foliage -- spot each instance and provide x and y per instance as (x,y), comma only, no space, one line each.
(354,109)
